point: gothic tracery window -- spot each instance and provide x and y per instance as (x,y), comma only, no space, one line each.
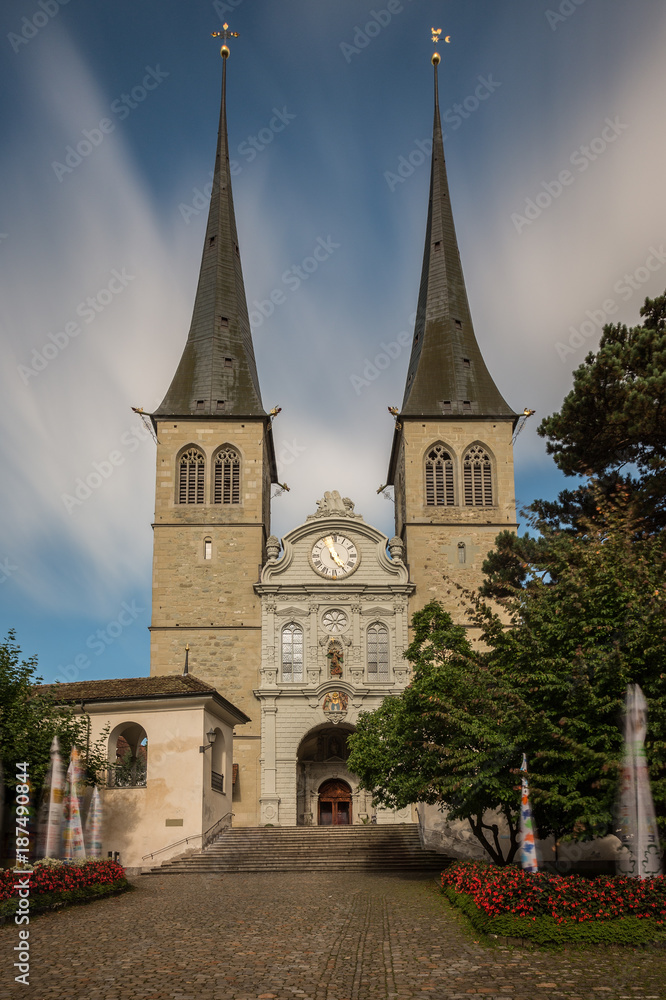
(378,652)
(292,653)
(439,477)
(226,482)
(477,478)
(191,473)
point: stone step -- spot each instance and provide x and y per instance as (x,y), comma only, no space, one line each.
(305,864)
(360,848)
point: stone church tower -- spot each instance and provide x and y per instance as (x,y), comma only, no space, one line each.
(452,458)
(304,633)
(215,465)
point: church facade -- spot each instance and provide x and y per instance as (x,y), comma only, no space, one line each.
(304,633)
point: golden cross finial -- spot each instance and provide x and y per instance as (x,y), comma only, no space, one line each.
(224,35)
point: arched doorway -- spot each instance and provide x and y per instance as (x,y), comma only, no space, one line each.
(335,803)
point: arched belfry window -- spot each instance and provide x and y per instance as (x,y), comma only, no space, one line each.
(191,474)
(292,653)
(439,477)
(128,755)
(226,479)
(477,478)
(378,652)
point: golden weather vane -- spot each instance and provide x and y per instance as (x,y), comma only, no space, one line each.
(435,33)
(224,35)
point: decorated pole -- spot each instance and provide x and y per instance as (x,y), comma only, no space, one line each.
(93,837)
(73,846)
(639,856)
(528,858)
(51,812)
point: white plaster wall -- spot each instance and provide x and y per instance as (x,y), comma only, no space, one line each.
(177,787)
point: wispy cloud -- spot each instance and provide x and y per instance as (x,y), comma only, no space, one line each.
(79,338)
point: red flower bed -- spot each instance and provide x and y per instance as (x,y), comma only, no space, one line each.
(500,891)
(62,878)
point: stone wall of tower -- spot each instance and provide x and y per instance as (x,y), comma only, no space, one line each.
(432,533)
(210,604)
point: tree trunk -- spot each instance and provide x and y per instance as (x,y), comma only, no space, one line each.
(494,849)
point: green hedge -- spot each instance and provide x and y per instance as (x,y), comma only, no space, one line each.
(55,900)
(543,930)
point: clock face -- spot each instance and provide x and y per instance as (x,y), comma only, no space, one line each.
(334,556)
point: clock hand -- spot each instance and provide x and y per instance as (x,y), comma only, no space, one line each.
(334,554)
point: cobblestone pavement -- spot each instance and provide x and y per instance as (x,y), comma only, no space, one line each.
(300,937)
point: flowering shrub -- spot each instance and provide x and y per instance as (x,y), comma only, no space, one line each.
(553,909)
(511,890)
(54,877)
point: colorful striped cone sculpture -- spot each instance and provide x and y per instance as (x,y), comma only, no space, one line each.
(73,847)
(51,812)
(94,826)
(528,858)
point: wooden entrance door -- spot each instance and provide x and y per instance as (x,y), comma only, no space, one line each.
(335,803)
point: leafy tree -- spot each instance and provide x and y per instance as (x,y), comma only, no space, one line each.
(614,418)
(29,719)
(441,740)
(611,429)
(587,618)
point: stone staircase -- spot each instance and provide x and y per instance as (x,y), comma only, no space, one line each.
(298,848)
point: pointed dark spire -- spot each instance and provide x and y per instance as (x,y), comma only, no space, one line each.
(447,374)
(217,374)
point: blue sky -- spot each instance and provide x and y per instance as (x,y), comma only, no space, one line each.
(555,156)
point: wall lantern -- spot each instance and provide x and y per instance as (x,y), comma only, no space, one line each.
(211,736)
